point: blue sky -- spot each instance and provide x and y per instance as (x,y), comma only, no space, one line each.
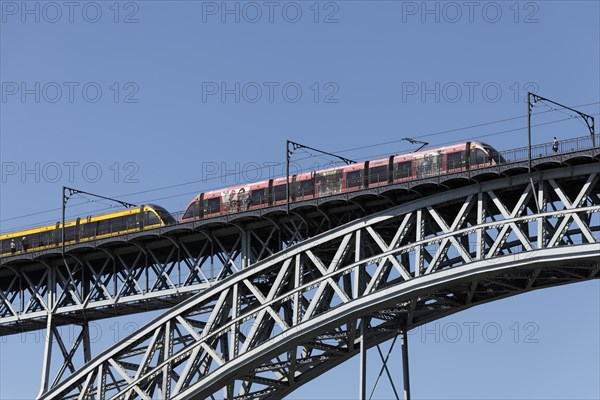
(119,98)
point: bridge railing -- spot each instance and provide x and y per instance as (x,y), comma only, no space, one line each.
(546,149)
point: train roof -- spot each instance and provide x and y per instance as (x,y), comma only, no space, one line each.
(417,154)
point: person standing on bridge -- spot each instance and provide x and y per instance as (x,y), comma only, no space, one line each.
(24,243)
(13,246)
(555,145)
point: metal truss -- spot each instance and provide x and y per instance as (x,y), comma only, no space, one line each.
(150,270)
(160,267)
(289,317)
(137,273)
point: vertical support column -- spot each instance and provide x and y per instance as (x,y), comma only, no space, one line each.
(245,239)
(541,233)
(85,326)
(49,337)
(405,365)
(212,261)
(480,220)
(296,315)
(235,308)
(419,237)
(362,381)
(529,107)
(166,353)
(87,349)
(358,279)
(233,336)
(297,283)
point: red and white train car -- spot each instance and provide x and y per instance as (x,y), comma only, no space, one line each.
(385,171)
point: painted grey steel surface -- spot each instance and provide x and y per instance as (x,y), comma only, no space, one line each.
(159,268)
(286,318)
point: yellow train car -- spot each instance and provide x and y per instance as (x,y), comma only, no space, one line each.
(85,229)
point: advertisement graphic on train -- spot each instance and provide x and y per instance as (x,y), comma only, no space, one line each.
(236,199)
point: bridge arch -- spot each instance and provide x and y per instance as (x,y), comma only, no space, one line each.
(269,328)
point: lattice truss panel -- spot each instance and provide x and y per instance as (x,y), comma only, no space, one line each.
(274,326)
(134,274)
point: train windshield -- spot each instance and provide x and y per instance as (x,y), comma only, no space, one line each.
(164,215)
(496,156)
(192,211)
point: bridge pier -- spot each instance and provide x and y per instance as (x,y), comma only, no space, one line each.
(362,389)
(54,334)
(405,365)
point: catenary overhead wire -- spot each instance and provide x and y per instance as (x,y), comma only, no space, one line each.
(304,158)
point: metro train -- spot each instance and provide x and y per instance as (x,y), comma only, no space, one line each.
(86,229)
(310,185)
(304,186)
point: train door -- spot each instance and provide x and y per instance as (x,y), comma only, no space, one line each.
(77,230)
(294,188)
(428,165)
(200,206)
(391,170)
(57,234)
(468,155)
(139,218)
(269,193)
(329,182)
(366,175)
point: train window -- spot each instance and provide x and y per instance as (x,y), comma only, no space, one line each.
(329,182)
(455,160)
(428,165)
(193,210)
(212,206)
(104,227)
(164,215)
(34,240)
(493,154)
(52,235)
(5,246)
(354,179)
(279,192)
(89,229)
(69,233)
(117,224)
(480,157)
(150,218)
(304,188)
(128,221)
(403,169)
(378,174)
(42,239)
(257,196)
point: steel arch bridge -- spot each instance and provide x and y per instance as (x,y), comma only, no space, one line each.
(284,320)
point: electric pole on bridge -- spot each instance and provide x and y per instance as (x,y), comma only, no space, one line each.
(67,193)
(52,333)
(533,98)
(288,155)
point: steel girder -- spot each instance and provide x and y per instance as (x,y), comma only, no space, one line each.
(142,272)
(264,331)
(158,268)
(137,273)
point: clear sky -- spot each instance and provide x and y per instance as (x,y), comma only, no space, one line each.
(119,98)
